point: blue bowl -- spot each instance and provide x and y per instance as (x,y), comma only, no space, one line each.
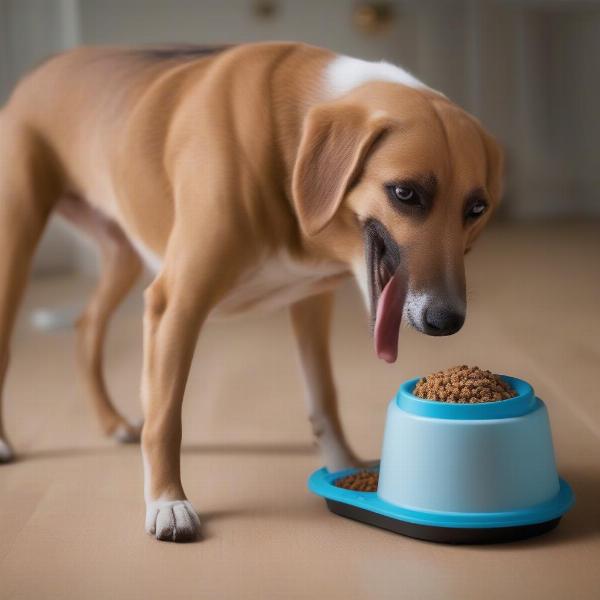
(460,473)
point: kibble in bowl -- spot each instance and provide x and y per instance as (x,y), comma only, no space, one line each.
(467,457)
(362,481)
(464,385)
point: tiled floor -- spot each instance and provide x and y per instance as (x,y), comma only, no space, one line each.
(71,509)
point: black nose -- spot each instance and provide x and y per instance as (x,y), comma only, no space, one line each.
(442,320)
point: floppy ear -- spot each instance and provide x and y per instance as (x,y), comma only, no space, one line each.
(335,142)
(495,166)
(494,156)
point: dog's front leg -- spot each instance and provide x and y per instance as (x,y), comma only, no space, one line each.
(311,323)
(194,277)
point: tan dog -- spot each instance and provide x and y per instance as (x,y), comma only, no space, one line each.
(261,174)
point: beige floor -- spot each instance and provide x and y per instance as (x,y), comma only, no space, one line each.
(71,510)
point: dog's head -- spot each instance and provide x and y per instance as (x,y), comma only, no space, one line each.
(398,183)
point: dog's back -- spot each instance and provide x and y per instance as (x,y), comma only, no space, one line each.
(78,103)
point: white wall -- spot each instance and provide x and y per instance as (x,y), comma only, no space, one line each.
(322,22)
(30,30)
(574,115)
(528,68)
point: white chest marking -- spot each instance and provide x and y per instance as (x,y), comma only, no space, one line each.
(280,281)
(277,282)
(344,73)
(151,260)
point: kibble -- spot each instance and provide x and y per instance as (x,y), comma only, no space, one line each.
(464,385)
(363,481)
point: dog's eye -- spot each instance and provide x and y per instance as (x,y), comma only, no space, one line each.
(476,209)
(404,194)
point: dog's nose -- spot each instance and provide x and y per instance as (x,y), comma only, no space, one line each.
(443,320)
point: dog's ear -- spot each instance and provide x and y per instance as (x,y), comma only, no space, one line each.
(335,142)
(495,166)
(494,156)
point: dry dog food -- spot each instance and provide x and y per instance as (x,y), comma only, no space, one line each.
(363,481)
(464,385)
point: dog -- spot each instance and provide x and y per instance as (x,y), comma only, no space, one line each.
(259,175)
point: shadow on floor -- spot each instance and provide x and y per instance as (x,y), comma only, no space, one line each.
(250,448)
(286,449)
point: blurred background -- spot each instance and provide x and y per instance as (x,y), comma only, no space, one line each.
(70,510)
(529,69)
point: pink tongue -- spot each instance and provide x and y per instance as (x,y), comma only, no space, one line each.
(389,315)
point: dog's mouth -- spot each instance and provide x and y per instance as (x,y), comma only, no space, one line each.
(387,288)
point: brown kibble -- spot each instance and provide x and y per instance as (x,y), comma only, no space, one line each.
(463,385)
(362,481)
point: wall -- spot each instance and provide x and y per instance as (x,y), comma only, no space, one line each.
(30,30)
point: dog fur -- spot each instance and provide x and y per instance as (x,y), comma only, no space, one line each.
(244,177)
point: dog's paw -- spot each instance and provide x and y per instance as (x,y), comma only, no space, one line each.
(172,521)
(6,452)
(128,433)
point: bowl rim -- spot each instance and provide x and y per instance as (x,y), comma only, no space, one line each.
(321,483)
(522,404)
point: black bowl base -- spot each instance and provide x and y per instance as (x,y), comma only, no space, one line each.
(443,535)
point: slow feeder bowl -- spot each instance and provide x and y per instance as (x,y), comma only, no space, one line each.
(460,473)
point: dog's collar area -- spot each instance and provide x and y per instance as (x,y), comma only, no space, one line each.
(383,258)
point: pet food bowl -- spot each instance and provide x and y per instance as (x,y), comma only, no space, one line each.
(460,473)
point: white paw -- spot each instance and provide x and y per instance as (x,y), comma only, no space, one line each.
(172,520)
(6,452)
(127,433)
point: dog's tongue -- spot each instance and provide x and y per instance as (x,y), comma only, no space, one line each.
(389,315)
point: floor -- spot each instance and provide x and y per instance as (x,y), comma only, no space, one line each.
(71,511)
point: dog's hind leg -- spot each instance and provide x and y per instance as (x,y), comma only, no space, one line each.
(120,269)
(311,323)
(30,185)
